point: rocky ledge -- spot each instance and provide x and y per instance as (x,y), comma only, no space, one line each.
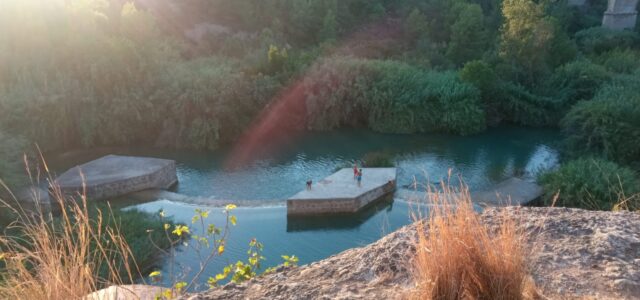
(574,254)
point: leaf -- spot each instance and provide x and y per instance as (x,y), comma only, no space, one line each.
(167,226)
(233,220)
(155,273)
(220,249)
(180,285)
(167,294)
(180,229)
(230,207)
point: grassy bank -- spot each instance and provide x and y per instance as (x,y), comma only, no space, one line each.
(78,249)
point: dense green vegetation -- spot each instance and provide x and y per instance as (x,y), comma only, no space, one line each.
(593,184)
(84,73)
(143,232)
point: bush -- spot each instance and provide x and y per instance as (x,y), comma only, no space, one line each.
(597,40)
(378,160)
(591,184)
(481,75)
(389,96)
(608,125)
(138,228)
(518,105)
(620,60)
(577,80)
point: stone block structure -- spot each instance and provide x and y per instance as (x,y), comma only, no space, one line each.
(112,176)
(340,192)
(620,14)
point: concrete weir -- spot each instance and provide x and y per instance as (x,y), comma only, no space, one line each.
(113,175)
(513,191)
(340,193)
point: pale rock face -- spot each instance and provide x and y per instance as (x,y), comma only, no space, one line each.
(574,254)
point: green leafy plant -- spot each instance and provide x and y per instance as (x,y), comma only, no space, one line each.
(377,160)
(598,39)
(242,271)
(578,80)
(208,245)
(592,184)
(608,125)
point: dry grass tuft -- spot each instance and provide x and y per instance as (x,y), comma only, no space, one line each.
(61,259)
(462,258)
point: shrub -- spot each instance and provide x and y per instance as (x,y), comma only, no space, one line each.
(518,105)
(598,39)
(461,258)
(390,96)
(577,80)
(484,78)
(608,125)
(378,160)
(591,184)
(620,60)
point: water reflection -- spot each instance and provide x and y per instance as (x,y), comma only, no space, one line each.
(341,221)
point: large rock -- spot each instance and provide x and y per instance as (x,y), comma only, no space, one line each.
(113,175)
(574,254)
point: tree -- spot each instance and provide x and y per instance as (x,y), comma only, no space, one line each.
(277,58)
(329,26)
(526,37)
(468,37)
(416,25)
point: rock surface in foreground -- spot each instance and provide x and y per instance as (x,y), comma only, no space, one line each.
(575,254)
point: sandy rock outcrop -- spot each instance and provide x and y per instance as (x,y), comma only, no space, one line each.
(574,254)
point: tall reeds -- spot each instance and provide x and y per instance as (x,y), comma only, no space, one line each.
(66,257)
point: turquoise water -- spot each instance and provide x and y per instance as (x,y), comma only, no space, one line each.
(281,171)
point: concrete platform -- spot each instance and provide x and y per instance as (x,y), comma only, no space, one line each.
(513,191)
(113,176)
(340,193)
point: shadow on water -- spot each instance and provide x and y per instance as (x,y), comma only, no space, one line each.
(340,221)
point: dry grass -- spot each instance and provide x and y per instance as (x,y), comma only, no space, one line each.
(61,259)
(462,258)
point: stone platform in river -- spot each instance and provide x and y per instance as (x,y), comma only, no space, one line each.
(340,193)
(113,175)
(511,192)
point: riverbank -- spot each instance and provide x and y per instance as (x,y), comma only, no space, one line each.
(574,254)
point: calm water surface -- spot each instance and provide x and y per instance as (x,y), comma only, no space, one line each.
(282,170)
